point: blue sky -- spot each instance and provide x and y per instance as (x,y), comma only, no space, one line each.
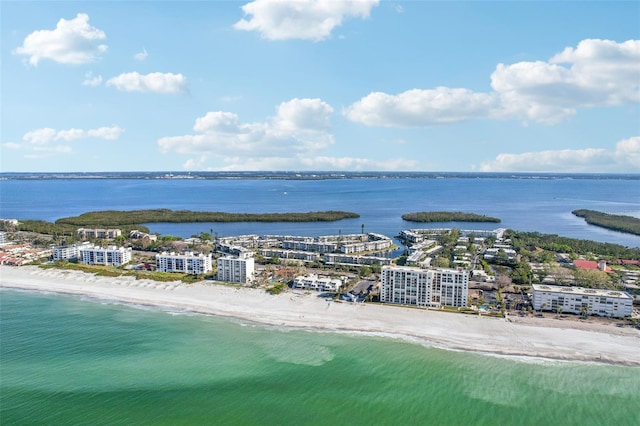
(320,85)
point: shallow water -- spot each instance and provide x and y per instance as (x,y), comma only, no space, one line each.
(66,360)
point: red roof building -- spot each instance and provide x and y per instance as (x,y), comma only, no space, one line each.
(591,265)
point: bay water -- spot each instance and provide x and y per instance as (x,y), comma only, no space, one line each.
(542,205)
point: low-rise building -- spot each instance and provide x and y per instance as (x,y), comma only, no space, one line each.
(314,282)
(85,233)
(139,235)
(109,256)
(186,263)
(579,300)
(236,269)
(431,288)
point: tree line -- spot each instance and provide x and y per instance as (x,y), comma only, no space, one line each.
(627,224)
(120,217)
(555,243)
(448,217)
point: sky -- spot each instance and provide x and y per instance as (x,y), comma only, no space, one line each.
(320,85)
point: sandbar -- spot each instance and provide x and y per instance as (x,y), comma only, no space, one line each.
(543,338)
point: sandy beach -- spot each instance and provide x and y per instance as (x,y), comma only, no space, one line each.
(515,336)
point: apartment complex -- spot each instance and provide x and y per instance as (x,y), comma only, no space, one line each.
(236,269)
(187,263)
(431,288)
(85,233)
(314,282)
(110,256)
(68,252)
(579,300)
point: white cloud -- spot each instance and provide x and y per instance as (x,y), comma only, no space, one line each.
(628,153)
(12,145)
(40,136)
(293,139)
(107,133)
(300,125)
(625,157)
(90,80)
(597,73)
(47,135)
(70,135)
(357,164)
(72,42)
(301,19)
(157,82)
(422,107)
(141,56)
(303,162)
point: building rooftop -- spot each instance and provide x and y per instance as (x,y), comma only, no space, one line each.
(580,291)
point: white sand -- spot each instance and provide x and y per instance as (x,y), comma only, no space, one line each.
(533,337)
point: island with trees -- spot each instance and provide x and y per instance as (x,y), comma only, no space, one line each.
(620,223)
(426,217)
(131,217)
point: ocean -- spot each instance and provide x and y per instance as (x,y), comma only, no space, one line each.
(71,360)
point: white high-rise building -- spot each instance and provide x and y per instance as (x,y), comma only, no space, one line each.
(236,269)
(70,252)
(111,255)
(431,288)
(579,300)
(187,263)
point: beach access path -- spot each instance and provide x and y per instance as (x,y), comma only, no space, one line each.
(544,338)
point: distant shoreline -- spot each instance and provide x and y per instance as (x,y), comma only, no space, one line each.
(318,175)
(516,337)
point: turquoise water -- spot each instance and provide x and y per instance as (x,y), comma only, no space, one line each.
(65,360)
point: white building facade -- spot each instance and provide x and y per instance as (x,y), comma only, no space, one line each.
(236,269)
(98,233)
(430,288)
(70,252)
(109,256)
(187,263)
(314,282)
(579,300)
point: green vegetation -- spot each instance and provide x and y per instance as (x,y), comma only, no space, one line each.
(131,217)
(627,224)
(61,228)
(113,271)
(48,228)
(555,243)
(447,217)
(277,288)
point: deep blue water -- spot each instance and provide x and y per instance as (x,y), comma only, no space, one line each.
(542,205)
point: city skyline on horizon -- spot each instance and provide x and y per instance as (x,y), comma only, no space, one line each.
(314,85)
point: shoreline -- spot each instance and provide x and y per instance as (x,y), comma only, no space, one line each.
(532,338)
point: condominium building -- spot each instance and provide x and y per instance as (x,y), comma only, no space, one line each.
(579,300)
(431,288)
(187,263)
(68,252)
(98,233)
(111,255)
(236,269)
(314,282)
